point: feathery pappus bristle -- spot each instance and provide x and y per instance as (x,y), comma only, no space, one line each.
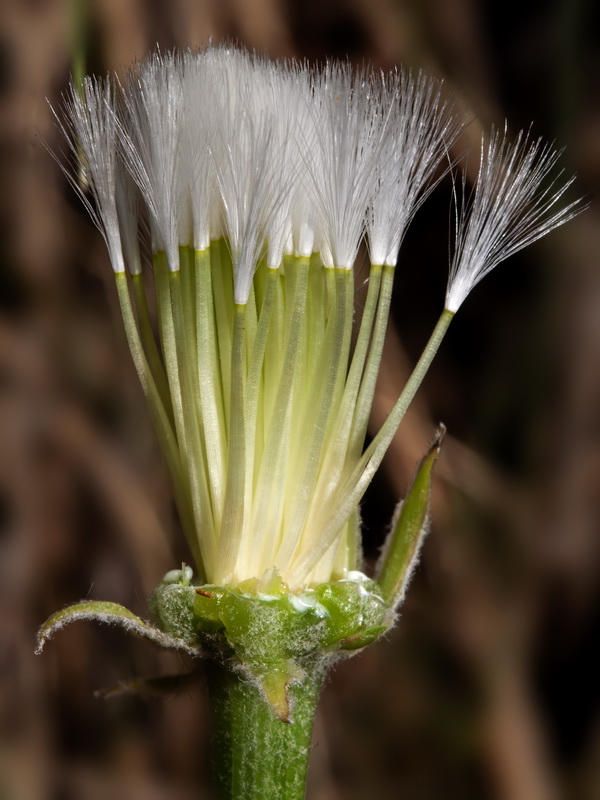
(91,130)
(422,126)
(515,201)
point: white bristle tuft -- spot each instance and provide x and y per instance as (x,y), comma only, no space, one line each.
(91,131)
(513,204)
(340,159)
(420,129)
(153,105)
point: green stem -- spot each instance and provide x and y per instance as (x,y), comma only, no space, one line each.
(257,756)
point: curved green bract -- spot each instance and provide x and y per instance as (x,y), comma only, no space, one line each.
(113,614)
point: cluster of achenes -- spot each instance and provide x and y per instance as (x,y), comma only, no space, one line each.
(245,188)
(252,184)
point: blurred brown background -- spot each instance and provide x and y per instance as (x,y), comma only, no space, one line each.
(488,688)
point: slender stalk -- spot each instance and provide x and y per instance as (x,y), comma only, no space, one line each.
(376,450)
(319,412)
(167,340)
(367,387)
(78,18)
(352,491)
(361,348)
(210,387)
(190,438)
(237,500)
(149,342)
(270,485)
(162,420)
(174,346)
(220,265)
(254,452)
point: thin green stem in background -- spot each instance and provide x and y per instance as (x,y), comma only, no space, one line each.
(78,29)
(78,34)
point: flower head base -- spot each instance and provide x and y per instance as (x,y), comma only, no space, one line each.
(257,182)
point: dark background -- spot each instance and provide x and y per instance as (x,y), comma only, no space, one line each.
(488,687)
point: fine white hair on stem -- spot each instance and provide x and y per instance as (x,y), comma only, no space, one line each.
(422,129)
(513,203)
(91,131)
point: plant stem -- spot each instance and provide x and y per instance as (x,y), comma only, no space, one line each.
(256,754)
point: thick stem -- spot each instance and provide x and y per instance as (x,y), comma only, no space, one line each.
(256,754)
